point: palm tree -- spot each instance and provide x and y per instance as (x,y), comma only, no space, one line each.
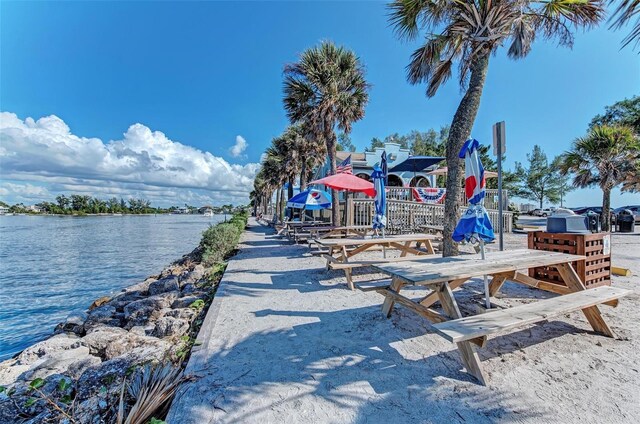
(326,89)
(312,152)
(604,157)
(624,13)
(467,33)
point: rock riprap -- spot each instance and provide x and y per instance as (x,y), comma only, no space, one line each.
(87,358)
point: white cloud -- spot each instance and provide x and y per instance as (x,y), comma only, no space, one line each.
(237,149)
(145,162)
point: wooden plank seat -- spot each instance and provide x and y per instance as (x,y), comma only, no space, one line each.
(483,325)
(367,262)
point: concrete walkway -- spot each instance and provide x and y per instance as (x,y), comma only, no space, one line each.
(286,342)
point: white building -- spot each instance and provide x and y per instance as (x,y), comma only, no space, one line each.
(363,163)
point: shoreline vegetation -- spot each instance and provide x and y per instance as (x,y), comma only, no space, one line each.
(80,205)
(123,359)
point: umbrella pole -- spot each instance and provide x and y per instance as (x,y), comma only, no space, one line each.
(486,280)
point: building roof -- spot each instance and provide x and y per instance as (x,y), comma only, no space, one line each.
(342,155)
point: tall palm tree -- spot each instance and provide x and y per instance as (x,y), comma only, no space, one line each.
(326,89)
(312,152)
(467,33)
(604,157)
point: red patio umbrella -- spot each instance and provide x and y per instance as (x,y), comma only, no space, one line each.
(347,182)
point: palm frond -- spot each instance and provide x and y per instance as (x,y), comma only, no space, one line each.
(626,11)
(152,388)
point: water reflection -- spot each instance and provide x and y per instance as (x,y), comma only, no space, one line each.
(51,267)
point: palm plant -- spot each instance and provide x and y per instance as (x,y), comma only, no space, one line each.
(326,89)
(468,32)
(605,157)
(312,152)
(624,13)
(273,168)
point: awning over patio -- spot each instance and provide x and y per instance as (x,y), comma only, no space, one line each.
(416,163)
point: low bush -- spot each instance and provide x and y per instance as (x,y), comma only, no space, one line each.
(218,241)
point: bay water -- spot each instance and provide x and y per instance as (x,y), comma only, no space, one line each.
(55,266)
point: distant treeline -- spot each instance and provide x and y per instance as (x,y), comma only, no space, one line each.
(76,204)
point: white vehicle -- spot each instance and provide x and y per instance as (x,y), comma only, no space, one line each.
(542,212)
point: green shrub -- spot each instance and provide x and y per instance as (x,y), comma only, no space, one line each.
(217,242)
(220,240)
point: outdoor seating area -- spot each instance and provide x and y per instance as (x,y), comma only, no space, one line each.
(414,262)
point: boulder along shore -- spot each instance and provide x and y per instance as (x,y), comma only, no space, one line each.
(77,374)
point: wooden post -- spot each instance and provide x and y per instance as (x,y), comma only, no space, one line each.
(350,210)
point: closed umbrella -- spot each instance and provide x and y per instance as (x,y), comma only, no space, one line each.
(384,167)
(380,201)
(475,225)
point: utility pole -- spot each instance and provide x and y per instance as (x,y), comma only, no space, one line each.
(499,148)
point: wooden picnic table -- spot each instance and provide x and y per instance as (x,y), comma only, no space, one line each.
(340,251)
(329,231)
(443,275)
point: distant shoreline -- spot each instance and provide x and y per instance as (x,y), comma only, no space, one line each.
(106,214)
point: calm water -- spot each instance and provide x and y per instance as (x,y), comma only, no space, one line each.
(51,267)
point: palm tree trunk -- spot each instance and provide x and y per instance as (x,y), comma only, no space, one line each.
(303,175)
(289,196)
(460,130)
(606,208)
(282,203)
(331,150)
(279,216)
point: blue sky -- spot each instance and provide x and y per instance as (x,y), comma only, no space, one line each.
(209,75)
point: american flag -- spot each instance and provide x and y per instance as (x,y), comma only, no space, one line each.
(345,167)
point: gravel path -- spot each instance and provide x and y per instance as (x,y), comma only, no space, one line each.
(286,342)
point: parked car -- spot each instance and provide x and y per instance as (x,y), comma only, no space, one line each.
(633,208)
(542,212)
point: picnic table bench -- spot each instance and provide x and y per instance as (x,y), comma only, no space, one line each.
(443,275)
(289,228)
(340,251)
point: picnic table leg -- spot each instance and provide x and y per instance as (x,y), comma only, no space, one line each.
(432,297)
(387,306)
(468,353)
(429,247)
(405,251)
(497,282)
(572,280)
(347,271)
(330,253)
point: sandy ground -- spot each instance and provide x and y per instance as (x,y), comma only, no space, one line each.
(286,342)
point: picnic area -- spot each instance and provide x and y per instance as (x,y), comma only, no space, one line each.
(286,340)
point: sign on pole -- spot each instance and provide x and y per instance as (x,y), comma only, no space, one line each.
(499,147)
(499,138)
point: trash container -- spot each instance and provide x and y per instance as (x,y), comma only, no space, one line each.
(593,222)
(626,221)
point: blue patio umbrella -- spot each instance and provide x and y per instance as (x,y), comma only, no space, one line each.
(383,167)
(380,201)
(310,200)
(475,225)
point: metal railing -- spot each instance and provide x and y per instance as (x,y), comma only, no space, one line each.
(405,216)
